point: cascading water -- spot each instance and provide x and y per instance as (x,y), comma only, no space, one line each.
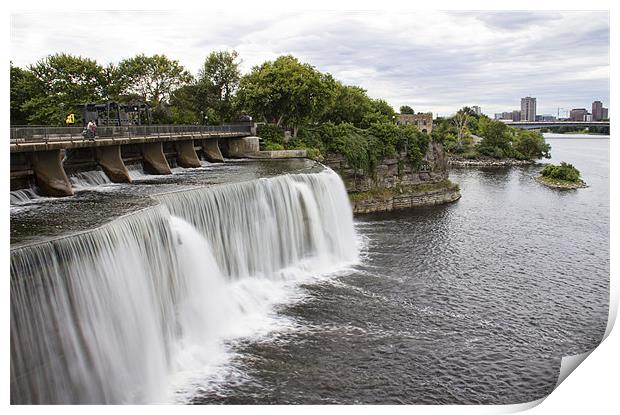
(114,314)
(89,179)
(24,196)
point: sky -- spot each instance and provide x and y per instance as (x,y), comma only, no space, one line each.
(430,60)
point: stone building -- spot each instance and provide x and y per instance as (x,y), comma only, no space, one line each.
(424,121)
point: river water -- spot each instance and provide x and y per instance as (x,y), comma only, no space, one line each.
(472,302)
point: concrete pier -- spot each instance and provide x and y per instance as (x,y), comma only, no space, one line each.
(49,173)
(211,150)
(154,160)
(186,154)
(109,158)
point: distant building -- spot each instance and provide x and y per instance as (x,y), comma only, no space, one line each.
(498,116)
(507,115)
(588,117)
(578,114)
(516,115)
(547,117)
(424,121)
(477,109)
(528,109)
(597,110)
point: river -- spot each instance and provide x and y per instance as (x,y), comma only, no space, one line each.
(472,302)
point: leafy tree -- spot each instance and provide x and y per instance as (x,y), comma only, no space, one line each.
(347,104)
(496,138)
(22,82)
(217,82)
(284,92)
(406,109)
(154,78)
(61,83)
(530,145)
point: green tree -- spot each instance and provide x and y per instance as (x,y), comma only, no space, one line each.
(154,78)
(496,138)
(61,84)
(406,109)
(22,83)
(530,145)
(218,80)
(284,92)
(347,104)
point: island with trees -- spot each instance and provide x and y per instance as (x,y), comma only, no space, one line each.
(384,166)
(562,176)
(476,140)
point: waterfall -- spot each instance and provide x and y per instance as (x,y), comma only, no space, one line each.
(23,196)
(112,315)
(89,179)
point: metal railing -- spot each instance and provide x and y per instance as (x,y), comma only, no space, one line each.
(31,134)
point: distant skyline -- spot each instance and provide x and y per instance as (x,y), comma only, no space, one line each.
(431,61)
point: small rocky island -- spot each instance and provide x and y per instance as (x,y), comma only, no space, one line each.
(562,176)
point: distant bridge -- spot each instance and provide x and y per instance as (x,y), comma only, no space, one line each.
(535,125)
(44,153)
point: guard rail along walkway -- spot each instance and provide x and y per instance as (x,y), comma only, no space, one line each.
(45,152)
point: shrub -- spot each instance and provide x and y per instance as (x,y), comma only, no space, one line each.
(564,171)
(271,133)
(273,146)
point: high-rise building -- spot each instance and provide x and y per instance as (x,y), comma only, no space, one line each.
(498,116)
(578,114)
(528,109)
(605,114)
(597,111)
(516,115)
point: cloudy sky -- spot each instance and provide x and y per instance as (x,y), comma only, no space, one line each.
(432,61)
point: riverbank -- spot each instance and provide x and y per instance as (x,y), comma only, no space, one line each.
(403,197)
(454,161)
(560,184)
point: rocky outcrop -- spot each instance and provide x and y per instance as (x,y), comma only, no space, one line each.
(393,172)
(397,173)
(486,162)
(406,200)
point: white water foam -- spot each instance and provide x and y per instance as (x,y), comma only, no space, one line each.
(89,180)
(139,310)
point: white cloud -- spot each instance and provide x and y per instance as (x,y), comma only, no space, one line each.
(435,61)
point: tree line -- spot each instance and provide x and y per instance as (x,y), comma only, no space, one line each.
(496,139)
(284,92)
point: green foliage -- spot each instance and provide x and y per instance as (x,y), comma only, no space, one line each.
(154,78)
(530,145)
(271,133)
(58,85)
(22,82)
(496,138)
(564,171)
(283,92)
(273,146)
(217,82)
(406,109)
